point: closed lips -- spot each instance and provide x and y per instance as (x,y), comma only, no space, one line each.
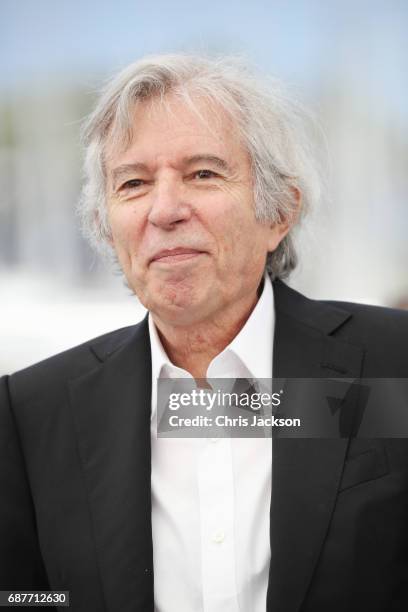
(175,254)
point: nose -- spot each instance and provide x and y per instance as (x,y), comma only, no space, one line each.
(168,207)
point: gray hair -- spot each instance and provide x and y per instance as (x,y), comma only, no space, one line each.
(271,126)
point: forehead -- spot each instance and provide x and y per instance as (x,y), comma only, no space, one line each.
(173,128)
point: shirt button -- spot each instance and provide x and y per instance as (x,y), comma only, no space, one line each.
(218,536)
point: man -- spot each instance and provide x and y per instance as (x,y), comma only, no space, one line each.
(196,177)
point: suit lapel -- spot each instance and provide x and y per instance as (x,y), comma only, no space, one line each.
(305,472)
(111,407)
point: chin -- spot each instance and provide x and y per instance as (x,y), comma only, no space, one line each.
(178,293)
(179,308)
(176,301)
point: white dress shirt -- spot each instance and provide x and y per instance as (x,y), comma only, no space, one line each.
(211,496)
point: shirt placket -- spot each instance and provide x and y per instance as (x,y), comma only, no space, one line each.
(216,500)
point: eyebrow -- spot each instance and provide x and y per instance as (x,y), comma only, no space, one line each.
(125,170)
(209,159)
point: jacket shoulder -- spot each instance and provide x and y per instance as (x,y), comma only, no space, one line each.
(376,320)
(51,374)
(332,316)
(381,333)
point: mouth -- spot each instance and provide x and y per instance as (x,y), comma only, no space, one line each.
(172,256)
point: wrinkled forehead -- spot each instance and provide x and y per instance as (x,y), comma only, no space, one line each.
(175,110)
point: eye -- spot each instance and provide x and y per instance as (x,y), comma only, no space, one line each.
(132,184)
(204,174)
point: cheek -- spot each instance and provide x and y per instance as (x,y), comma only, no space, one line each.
(224,215)
(126,238)
(124,226)
(235,228)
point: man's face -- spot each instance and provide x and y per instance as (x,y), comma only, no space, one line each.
(181,212)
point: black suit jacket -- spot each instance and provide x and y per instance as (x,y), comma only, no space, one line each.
(75,507)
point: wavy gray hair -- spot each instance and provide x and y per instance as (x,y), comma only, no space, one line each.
(271,126)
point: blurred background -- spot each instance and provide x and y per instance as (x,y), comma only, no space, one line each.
(347,61)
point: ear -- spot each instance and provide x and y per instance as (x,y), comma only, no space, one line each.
(279,230)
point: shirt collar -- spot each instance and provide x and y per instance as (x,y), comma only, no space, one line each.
(161,364)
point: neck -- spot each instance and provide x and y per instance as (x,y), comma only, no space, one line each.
(193,347)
